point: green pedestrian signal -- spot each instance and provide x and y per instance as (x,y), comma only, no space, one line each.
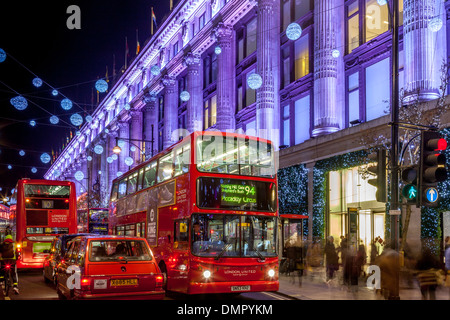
(410,192)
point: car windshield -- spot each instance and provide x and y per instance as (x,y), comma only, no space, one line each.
(119,250)
(216,235)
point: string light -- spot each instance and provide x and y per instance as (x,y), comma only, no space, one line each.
(19,102)
(76,119)
(101,85)
(98,149)
(66,104)
(54,120)
(37,82)
(45,157)
(32,123)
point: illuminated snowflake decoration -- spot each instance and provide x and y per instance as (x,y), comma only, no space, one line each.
(114,157)
(109,160)
(21,153)
(32,123)
(55,92)
(54,120)
(129,161)
(217,50)
(119,173)
(155,70)
(45,157)
(335,53)
(254,81)
(19,102)
(101,85)
(37,82)
(127,106)
(293,31)
(56,173)
(435,24)
(76,119)
(79,175)
(34,170)
(88,118)
(381,2)
(185,96)
(132,148)
(89,158)
(66,104)
(98,149)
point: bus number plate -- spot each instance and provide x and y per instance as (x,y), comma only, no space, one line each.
(124,282)
(240,288)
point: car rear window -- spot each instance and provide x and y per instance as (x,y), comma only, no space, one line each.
(118,250)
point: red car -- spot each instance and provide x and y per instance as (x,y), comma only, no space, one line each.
(109,267)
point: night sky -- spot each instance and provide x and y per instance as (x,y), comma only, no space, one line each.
(37,41)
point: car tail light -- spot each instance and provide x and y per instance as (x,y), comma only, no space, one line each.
(159,279)
(85,283)
(7,266)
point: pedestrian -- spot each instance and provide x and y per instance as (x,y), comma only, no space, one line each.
(332,259)
(361,258)
(447,263)
(373,252)
(8,255)
(427,272)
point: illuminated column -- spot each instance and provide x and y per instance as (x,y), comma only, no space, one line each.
(194,112)
(268,56)
(103,167)
(422,62)
(112,167)
(124,132)
(136,134)
(225,78)
(326,119)
(150,125)
(170,110)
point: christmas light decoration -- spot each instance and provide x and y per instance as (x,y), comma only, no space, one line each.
(129,161)
(32,123)
(76,119)
(79,175)
(19,102)
(435,24)
(45,157)
(54,120)
(21,153)
(2,55)
(101,85)
(88,118)
(185,96)
(66,104)
(55,92)
(217,50)
(293,31)
(155,70)
(37,82)
(98,149)
(254,81)
(34,170)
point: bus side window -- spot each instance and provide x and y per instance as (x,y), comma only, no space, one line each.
(165,167)
(140,179)
(122,188)
(181,234)
(149,176)
(182,159)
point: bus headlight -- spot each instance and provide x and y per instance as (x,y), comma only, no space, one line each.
(271,273)
(207,274)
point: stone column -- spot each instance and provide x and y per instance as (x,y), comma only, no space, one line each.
(170,110)
(151,119)
(326,115)
(226,106)
(421,61)
(113,166)
(194,112)
(104,188)
(267,53)
(136,134)
(124,132)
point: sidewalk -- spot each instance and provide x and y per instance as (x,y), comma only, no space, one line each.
(314,287)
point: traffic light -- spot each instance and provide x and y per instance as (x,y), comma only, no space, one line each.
(432,167)
(379,169)
(410,190)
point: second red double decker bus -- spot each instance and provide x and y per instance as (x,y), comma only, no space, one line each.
(40,210)
(208,207)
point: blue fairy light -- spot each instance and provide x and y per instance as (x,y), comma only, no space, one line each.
(99,171)
(54,120)
(9,166)
(77,133)
(101,85)
(34,170)
(79,175)
(45,157)
(98,149)
(185,96)
(66,104)
(89,158)
(21,153)
(2,55)
(54,92)
(76,119)
(293,31)
(37,82)
(129,161)
(254,81)
(155,70)
(32,123)
(19,102)
(106,130)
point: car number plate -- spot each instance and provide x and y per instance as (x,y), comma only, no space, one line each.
(124,282)
(240,288)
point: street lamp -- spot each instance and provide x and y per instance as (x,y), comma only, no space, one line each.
(117,149)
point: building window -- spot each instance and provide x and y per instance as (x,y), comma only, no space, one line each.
(377,19)
(201,21)
(286,135)
(302,109)
(353,97)
(377,89)
(352,26)
(210,112)
(293,10)
(295,60)
(246,40)
(302,57)
(250,94)
(175,49)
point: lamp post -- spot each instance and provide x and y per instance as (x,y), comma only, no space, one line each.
(117,149)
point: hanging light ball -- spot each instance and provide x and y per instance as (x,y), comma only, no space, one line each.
(335,53)
(106,130)
(54,120)
(98,149)
(9,166)
(45,157)
(119,173)
(88,118)
(56,173)
(89,158)
(185,96)
(114,157)
(217,50)
(55,92)
(293,31)
(76,119)
(2,55)
(79,175)
(21,153)
(77,133)
(66,104)
(155,70)
(101,85)
(254,81)
(435,24)
(129,161)
(127,106)
(19,102)
(37,82)
(381,2)
(34,170)
(132,148)
(32,123)
(121,143)
(109,160)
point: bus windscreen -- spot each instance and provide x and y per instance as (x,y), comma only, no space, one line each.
(46,191)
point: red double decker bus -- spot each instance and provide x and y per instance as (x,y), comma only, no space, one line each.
(40,210)
(208,207)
